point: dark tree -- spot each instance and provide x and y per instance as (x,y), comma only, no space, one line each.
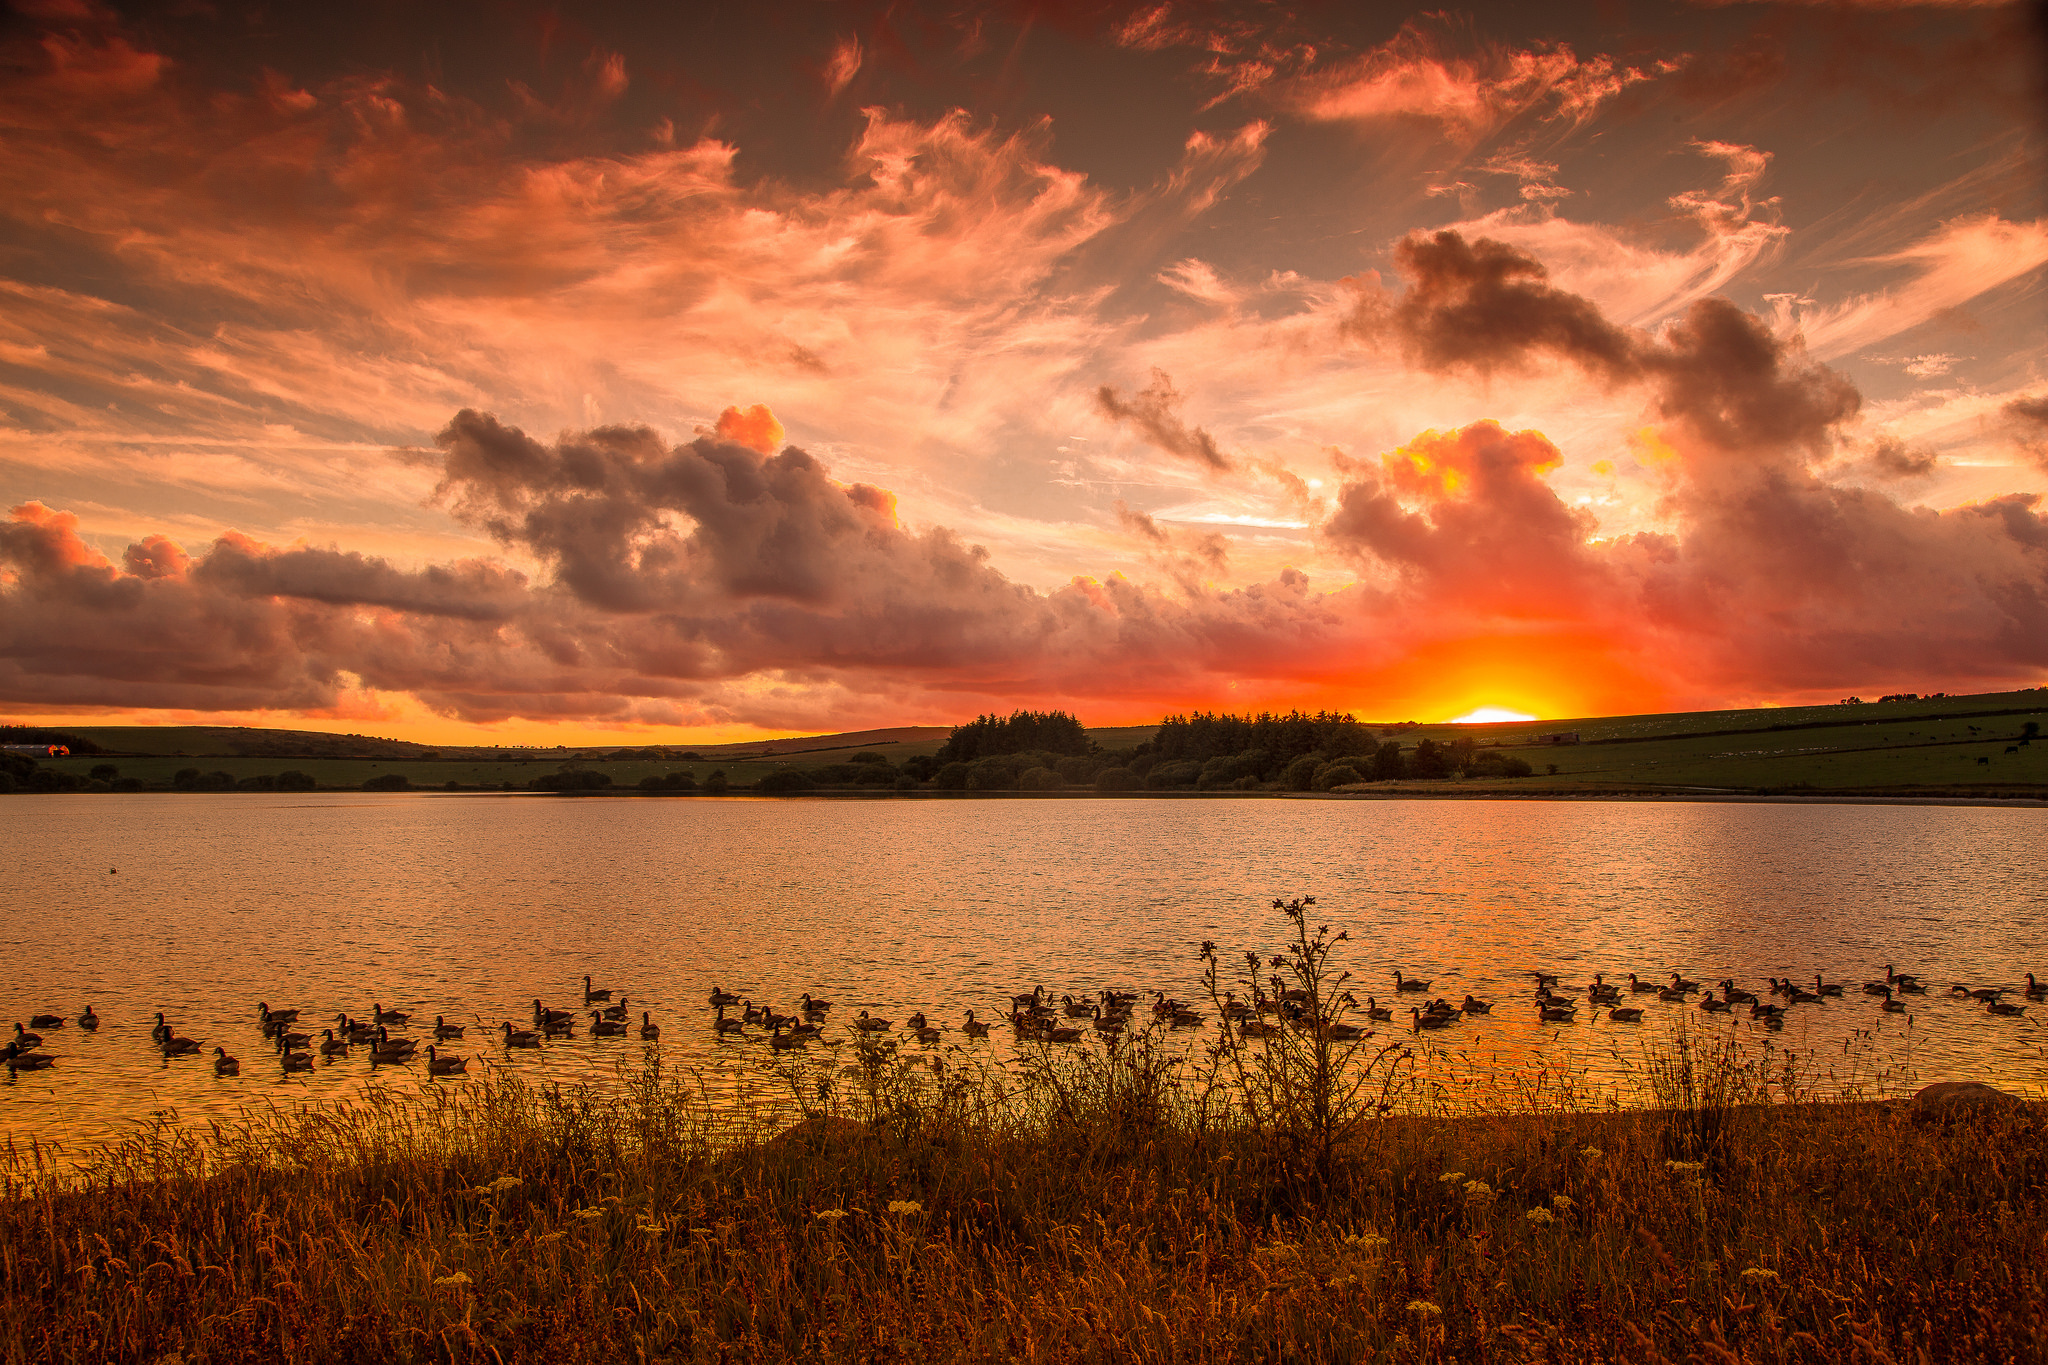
(1053,732)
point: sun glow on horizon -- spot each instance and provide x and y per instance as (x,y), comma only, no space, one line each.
(1489,715)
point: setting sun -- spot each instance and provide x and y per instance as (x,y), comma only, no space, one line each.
(1489,715)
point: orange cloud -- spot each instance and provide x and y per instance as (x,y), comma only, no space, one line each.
(754,428)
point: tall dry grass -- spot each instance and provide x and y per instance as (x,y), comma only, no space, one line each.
(1112,1205)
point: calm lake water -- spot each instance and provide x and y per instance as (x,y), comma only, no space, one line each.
(471,907)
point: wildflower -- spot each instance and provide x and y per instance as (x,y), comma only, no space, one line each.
(1425,1307)
(1541,1217)
(1370,1241)
(1590,1153)
(1451,1177)
(1685,1167)
(503,1183)
(1478,1191)
(651,1228)
(829,1215)
(555,1236)
(905,1206)
(1757,1274)
(1279,1251)
(456,1281)
(587,1214)
(1561,1202)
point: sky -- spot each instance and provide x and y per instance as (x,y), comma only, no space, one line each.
(508,373)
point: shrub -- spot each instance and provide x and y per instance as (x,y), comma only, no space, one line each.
(716,784)
(868,756)
(388,782)
(104,772)
(1039,780)
(261,782)
(292,780)
(99,784)
(651,783)
(121,784)
(875,775)
(1301,773)
(1073,769)
(1176,774)
(571,780)
(1336,775)
(952,777)
(906,783)
(1118,780)
(679,781)
(784,782)
(185,779)
(989,777)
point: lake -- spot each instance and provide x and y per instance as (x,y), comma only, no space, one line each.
(471,907)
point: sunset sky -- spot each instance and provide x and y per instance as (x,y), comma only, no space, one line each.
(500,373)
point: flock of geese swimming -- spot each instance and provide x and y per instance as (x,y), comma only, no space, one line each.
(295,1045)
(1035,1016)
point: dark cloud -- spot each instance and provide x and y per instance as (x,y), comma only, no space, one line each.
(1155,413)
(1893,459)
(2028,416)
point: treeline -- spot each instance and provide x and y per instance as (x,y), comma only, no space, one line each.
(1021,732)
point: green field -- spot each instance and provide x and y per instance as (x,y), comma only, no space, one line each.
(1964,745)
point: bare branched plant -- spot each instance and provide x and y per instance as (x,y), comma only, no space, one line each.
(1312,1082)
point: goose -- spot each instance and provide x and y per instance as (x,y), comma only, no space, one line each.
(2000,1007)
(1626,1014)
(174,1046)
(387,1051)
(224,1065)
(332,1046)
(1899,979)
(1986,993)
(1641,987)
(443,1030)
(722,1025)
(1679,983)
(1559,1014)
(1600,993)
(649,1030)
(1546,996)
(1408,983)
(267,1014)
(354,1030)
(543,1015)
(1027,1002)
(1825,988)
(1257,1028)
(1761,1010)
(25,1040)
(559,1028)
(292,1042)
(91,1020)
(1107,1023)
(1544,979)
(1183,1018)
(1058,1034)
(1910,986)
(601,1027)
(1235,1009)
(974,1028)
(161,1030)
(751,1013)
(1735,997)
(815,1006)
(918,1025)
(720,999)
(781,1041)
(1891,1004)
(591,996)
(1423,1021)
(1343,1033)
(1026,1025)
(519,1037)
(1670,993)
(25,1061)
(1375,1010)
(445,1066)
(1084,1008)
(618,1011)
(1797,996)
(1877,988)
(1472,1006)
(1714,1006)
(868,1025)
(807,1030)
(383,1016)
(295,1061)
(770,1019)
(46,1021)
(2035,991)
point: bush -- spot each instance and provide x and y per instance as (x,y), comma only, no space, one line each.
(1142,764)
(6,782)
(952,777)
(388,782)
(1301,773)
(921,766)
(292,780)
(217,781)
(261,782)
(651,783)
(571,780)
(875,775)
(1118,780)
(104,772)
(185,779)
(1337,775)
(1175,774)
(868,756)
(1077,769)
(989,777)
(121,784)
(1387,763)
(99,784)
(784,782)
(716,784)
(1039,780)
(679,781)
